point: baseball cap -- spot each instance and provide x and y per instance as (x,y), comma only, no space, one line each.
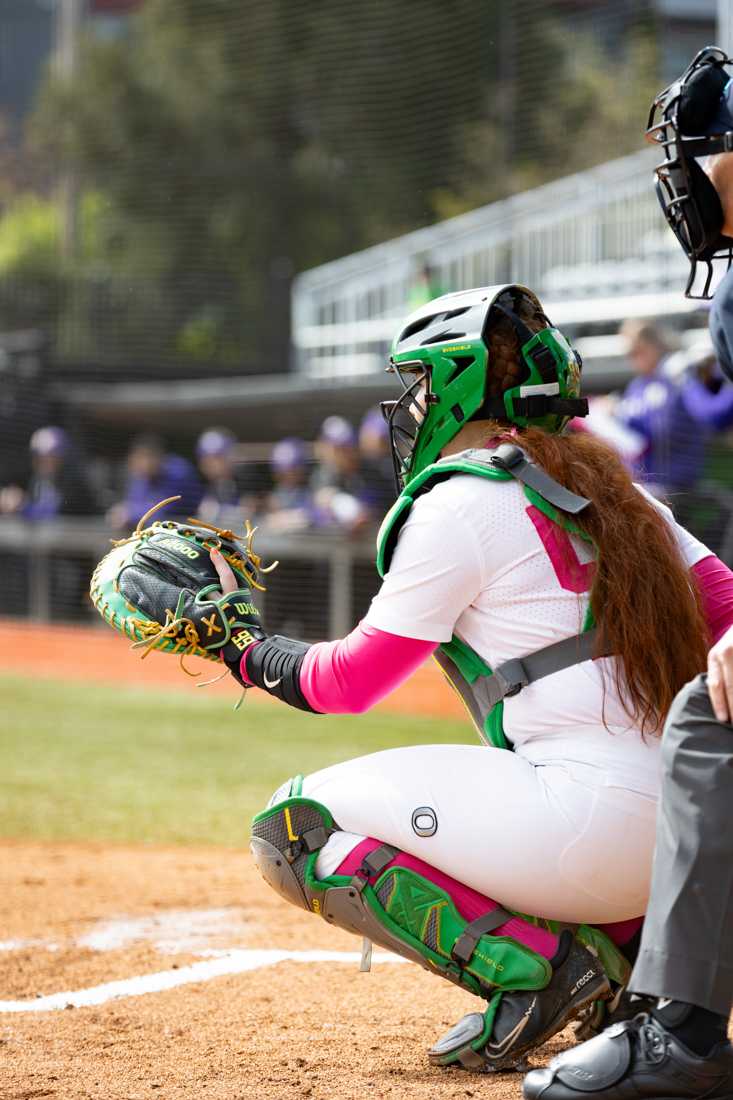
(49,441)
(373,421)
(215,442)
(287,454)
(338,431)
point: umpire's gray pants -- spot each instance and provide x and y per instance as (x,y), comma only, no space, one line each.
(687,943)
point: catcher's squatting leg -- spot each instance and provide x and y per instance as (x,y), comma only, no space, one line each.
(401,903)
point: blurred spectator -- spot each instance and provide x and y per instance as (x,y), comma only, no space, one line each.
(707,394)
(230,492)
(653,405)
(152,476)
(671,407)
(339,487)
(376,463)
(57,485)
(424,287)
(289,505)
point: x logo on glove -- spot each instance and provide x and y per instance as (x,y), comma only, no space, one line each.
(212,625)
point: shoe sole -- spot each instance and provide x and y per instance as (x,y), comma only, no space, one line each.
(471,1056)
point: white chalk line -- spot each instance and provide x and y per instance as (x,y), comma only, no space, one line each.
(22,945)
(171,932)
(231,962)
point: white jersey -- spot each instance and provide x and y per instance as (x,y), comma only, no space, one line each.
(475,559)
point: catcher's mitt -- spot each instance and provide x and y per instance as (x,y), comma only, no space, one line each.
(160,588)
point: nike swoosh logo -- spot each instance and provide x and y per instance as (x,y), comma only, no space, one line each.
(272,683)
(514,1034)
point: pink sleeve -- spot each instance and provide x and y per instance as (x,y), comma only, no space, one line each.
(715,581)
(350,675)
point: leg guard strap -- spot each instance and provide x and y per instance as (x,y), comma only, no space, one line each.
(391,905)
(373,864)
(466,944)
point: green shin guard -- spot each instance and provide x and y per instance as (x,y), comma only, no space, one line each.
(399,909)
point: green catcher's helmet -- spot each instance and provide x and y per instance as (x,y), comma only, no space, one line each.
(489,353)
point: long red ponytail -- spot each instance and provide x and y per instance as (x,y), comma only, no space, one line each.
(644,601)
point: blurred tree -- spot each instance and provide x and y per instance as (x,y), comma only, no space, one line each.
(30,280)
(231,143)
(592,110)
(29,236)
(241,142)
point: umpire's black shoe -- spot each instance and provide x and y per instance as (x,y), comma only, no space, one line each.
(516,1023)
(633,1060)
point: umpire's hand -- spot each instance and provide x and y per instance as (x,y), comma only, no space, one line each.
(720,677)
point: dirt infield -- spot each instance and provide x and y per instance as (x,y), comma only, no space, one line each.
(99,654)
(75,917)
(134,972)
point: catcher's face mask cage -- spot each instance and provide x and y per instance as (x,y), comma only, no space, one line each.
(441,357)
(689,119)
(407,414)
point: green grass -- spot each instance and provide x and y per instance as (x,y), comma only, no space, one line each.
(93,762)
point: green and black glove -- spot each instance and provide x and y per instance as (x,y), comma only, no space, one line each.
(161,589)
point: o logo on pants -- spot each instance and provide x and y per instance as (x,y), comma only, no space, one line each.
(424,821)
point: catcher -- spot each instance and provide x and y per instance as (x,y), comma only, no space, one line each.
(565,606)
(678,1046)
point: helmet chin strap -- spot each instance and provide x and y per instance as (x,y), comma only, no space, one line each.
(535,405)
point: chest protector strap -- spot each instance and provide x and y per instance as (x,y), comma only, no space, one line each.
(483,689)
(514,461)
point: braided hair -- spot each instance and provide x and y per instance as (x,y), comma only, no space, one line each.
(506,365)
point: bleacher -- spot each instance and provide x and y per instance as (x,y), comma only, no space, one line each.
(594,245)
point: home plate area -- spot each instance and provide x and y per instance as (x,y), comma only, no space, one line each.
(130,972)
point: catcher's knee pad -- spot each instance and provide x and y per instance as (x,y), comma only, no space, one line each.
(393,906)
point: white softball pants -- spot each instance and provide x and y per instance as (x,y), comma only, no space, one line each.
(545,839)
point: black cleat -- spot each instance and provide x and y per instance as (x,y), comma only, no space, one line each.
(516,1023)
(631,1061)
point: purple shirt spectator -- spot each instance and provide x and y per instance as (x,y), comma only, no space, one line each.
(221,501)
(712,407)
(57,485)
(655,407)
(153,476)
(379,491)
(290,503)
(175,477)
(338,483)
(669,410)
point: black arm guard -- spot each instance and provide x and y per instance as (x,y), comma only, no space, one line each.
(274,665)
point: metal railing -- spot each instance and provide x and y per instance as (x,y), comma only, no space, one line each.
(322,588)
(594,244)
